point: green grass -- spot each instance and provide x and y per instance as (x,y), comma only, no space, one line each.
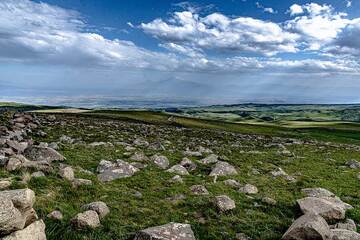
(317,165)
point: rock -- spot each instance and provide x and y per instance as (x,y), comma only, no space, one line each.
(99,144)
(160,161)
(199,190)
(188,164)
(53,145)
(35,231)
(223,169)
(46,154)
(248,189)
(38,174)
(67,173)
(139,157)
(4,184)
(14,163)
(16,210)
(77,182)
(269,201)
(349,224)
(176,198)
(343,234)
(55,215)
(192,153)
(322,207)
(87,219)
(110,171)
(308,227)
(19,147)
(224,203)
(176,179)
(66,139)
(170,231)
(278,173)
(242,236)
(353,164)
(178,169)
(212,158)
(317,192)
(141,143)
(232,183)
(100,207)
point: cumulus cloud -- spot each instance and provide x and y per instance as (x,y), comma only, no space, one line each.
(295,9)
(217,31)
(48,34)
(265,9)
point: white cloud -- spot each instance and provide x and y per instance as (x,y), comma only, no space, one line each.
(265,9)
(348,3)
(296,9)
(217,31)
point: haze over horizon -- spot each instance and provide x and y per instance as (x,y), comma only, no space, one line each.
(179,52)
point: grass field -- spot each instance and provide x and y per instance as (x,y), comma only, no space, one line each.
(313,163)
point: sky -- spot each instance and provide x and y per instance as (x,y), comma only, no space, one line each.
(204,51)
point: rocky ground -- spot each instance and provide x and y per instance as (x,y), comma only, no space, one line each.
(68,176)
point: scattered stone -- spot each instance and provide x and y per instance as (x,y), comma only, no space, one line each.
(55,215)
(343,234)
(87,219)
(308,227)
(67,173)
(77,182)
(199,190)
(35,231)
(15,163)
(170,231)
(178,169)
(46,154)
(317,192)
(232,183)
(322,207)
(353,164)
(349,224)
(139,157)
(224,203)
(141,142)
(176,198)
(160,161)
(19,147)
(249,189)
(188,164)
(242,236)
(110,171)
(100,207)
(223,169)
(189,153)
(38,174)
(212,158)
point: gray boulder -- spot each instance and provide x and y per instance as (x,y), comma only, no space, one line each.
(35,231)
(55,215)
(353,164)
(249,189)
(100,207)
(178,169)
(47,154)
(110,171)
(212,158)
(199,190)
(67,173)
(188,164)
(160,161)
(223,169)
(343,234)
(87,219)
(308,227)
(322,207)
(170,231)
(224,203)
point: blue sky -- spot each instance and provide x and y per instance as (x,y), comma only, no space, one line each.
(208,51)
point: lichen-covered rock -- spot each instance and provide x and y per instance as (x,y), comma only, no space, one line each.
(110,171)
(160,161)
(170,231)
(308,227)
(223,169)
(87,219)
(178,169)
(100,207)
(322,207)
(139,157)
(67,173)
(224,203)
(55,215)
(232,183)
(35,231)
(77,182)
(343,234)
(348,224)
(199,190)
(212,158)
(47,154)
(188,164)
(249,189)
